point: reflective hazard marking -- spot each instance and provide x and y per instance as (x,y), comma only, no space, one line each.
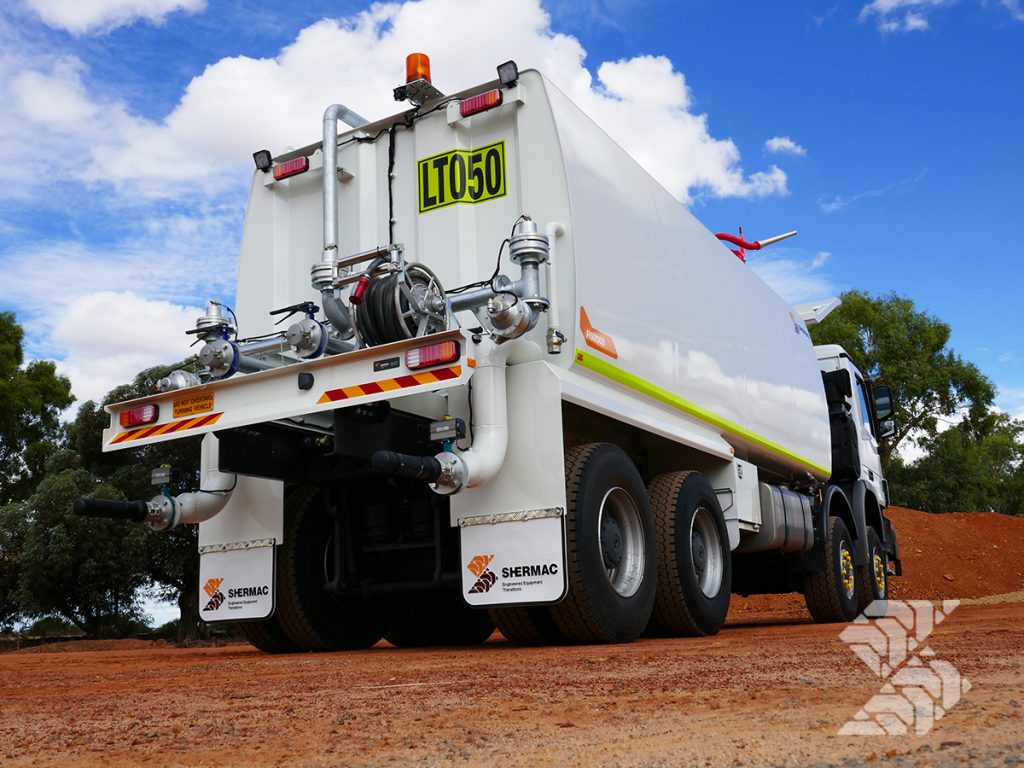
(165,429)
(390,385)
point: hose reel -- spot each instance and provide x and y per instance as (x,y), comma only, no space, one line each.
(401,303)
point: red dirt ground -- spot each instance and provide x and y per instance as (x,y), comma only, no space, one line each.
(772,688)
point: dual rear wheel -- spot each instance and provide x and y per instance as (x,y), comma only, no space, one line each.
(632,553)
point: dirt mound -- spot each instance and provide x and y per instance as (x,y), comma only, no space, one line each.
(955,555)
(960,554)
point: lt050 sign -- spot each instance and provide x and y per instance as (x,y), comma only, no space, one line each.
(462,176)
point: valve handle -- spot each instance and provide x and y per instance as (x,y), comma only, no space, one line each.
(307,307)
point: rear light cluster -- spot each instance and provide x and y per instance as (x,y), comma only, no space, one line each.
(291,168)
(480,103)
(432,354)
(144,414)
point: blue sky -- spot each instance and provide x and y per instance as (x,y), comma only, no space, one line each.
(887,132)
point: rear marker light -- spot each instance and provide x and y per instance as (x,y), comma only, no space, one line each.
(432,354)
(291,168)
(144,414)
(480,103)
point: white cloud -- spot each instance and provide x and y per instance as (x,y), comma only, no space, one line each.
(108,337)
(785,146)
(794,277)
(84,16)
(1014,7)
(901,15)
(240,104)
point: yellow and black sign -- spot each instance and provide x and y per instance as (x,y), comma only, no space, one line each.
(462,176)
(192,406)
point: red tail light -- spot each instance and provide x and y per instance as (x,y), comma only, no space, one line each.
(291,168)
(432,354)
(144,414)
(480,103)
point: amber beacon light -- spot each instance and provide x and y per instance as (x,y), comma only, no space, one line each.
(417,67)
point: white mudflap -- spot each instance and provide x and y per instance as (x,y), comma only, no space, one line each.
(237,581)
(513,558)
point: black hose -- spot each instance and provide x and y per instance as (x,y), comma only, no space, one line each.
(136,511)
(425,468)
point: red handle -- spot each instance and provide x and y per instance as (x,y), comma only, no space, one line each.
(755,246)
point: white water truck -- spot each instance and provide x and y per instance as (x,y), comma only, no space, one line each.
(526,388)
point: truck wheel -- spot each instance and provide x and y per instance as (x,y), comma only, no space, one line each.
(438,618)
(873,578)
(266,635)
(831,595)
(694,561)
(611,559)
(314,619)
(530,625)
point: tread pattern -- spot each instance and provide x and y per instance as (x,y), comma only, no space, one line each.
(671,614)
(573,616)
(529,625)
(866,574)
(266,635)
(820,590)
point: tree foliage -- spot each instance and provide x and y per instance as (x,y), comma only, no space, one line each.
(897,344)
(87,571)
(32,398)
(969,467)
(171,559)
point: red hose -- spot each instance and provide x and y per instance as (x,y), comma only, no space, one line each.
(755,246)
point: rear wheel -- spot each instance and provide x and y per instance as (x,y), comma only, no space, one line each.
(313,618)
(873,578)
(610,546)
(695,564)
(530,625)
(831,595)
(266,635)
(437,618)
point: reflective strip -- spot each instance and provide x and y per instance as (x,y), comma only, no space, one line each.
(391,385)
(164,429)
(512,517)
(620,376)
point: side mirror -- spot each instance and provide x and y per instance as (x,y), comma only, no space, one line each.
(883,403)
(887,428)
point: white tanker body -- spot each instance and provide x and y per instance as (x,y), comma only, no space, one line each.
(538,444)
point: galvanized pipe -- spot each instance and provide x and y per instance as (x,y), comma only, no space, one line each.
(332,115)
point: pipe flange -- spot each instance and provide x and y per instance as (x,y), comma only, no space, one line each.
(453,474)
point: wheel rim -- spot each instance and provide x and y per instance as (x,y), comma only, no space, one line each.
(878,566)
(621,541)
(846,568)
(706,552)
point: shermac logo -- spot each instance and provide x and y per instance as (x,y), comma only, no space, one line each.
(212,588)
(485,578)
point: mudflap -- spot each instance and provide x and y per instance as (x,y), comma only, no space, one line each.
(237,580)
(515,558)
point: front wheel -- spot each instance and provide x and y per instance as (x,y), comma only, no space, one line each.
(610,546)
(831,595)
(873,578)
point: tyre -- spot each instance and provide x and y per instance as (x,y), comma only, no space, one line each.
(611,561)
(531,625)
(694,560)
(873,578)
(437,618)
(266,635)
(831,595)
(313,618)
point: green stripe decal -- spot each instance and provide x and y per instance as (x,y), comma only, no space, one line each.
(616,374)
